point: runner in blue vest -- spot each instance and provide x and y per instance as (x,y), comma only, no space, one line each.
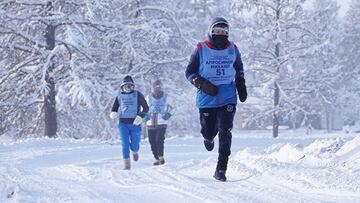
(216,69)
(131,107)
(157,124)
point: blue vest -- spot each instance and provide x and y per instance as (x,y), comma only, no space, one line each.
(217,66)
(128,104)
(157,105)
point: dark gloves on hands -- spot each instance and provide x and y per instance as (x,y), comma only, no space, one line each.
(166,116)
(241,88)
(205,85)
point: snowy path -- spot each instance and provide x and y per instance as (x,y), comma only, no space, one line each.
(260,170)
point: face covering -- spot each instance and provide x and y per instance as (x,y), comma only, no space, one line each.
(219,40)
(157,93)
(127,88)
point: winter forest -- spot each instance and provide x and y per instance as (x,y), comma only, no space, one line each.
(64,80)
(62,62)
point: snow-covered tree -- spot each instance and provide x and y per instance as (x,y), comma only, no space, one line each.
(36,55)
(63,61)
(350,60)
(322,75)
(54,57)
(281,43)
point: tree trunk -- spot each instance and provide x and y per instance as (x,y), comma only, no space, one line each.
(275,116)
(276,86)
(276,96)
(328,118)
(49,97)
(50,108)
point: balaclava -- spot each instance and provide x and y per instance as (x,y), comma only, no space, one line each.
(219,32)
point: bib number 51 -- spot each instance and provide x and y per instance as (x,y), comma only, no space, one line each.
(220,72)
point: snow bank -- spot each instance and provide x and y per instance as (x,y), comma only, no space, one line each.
(349,155)
(330,164)
(7,189)
(319,150)
(4,139)
(350,149)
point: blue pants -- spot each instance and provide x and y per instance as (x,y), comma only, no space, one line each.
(130,138)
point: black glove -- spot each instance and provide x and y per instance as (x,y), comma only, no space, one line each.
(205,85)
(241,88)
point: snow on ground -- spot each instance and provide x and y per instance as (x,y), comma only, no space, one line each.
(292,168)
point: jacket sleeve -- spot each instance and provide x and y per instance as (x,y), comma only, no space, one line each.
(115,106)
(192,69)
(143,104)
(239,78)
(239,68)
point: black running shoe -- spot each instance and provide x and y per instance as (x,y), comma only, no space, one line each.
(209,145)
(156,162)
(162,160)
(159,161)
(220,175)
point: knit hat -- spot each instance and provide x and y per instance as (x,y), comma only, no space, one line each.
(219,22)
(157,83)
(127,80)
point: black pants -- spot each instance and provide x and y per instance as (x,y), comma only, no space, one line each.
(219,120)
(156,138)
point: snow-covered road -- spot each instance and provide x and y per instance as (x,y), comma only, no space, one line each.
(261,169)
